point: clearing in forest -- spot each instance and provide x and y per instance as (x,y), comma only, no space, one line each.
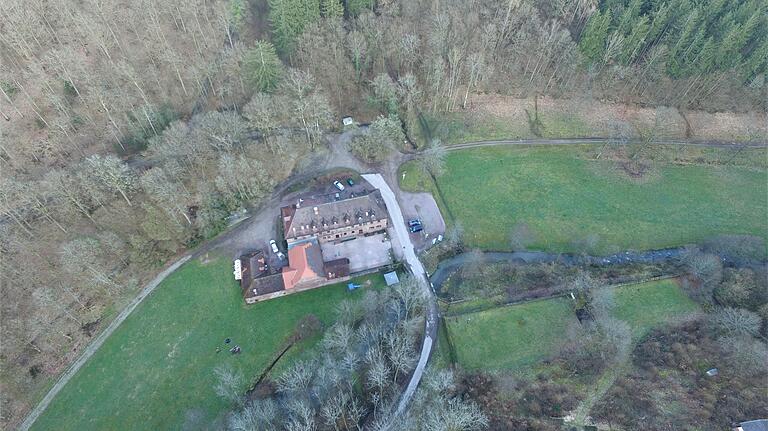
(157,367)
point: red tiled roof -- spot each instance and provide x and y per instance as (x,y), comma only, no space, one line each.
(300,264)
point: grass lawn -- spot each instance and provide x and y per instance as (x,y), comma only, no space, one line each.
(563,197)
(158,365)
(646,305)
(510,337)
(518,336)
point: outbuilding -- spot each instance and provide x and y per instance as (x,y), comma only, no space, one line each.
(391,278)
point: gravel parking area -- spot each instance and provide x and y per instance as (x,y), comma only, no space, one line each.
(423,207)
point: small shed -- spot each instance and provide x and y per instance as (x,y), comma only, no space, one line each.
(347,121)
(391,278)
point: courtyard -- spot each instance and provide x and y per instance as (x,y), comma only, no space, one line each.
(363,253)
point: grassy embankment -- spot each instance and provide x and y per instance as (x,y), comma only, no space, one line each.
(502,117)
(158,365)
(454,128)
(518,336)
(565,196)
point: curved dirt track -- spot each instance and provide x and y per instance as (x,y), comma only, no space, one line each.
(582,141)
(97,342)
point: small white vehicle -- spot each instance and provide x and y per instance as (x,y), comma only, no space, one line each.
(338,185)
(273,245)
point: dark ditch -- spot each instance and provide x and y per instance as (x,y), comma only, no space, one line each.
(451,265)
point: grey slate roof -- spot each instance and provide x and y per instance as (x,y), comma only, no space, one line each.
(311,219)
(391,278)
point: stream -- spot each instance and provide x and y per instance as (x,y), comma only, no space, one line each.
(449,266)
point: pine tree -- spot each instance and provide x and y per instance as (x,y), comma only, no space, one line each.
(262,67)
(594,38)
(683,41)
(707,56)
(756,63)
(332,9)
(729,54)
(635,41)
(629,18)
(356,7)
(289,18)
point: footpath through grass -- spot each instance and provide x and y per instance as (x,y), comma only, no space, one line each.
(157,367)
(564,198)
(518,336)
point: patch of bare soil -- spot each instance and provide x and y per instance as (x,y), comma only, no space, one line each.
(728,126)
(614,162)
(205,259)
(89,329)
(634,169)
(499,106)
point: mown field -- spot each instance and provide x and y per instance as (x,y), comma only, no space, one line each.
(510,337)
(647,305)
(156,371)
(565,197)
(519,336)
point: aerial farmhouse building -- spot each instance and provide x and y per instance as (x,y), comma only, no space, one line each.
(335,220)
(308,229)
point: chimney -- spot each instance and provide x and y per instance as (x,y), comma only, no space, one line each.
(315,210)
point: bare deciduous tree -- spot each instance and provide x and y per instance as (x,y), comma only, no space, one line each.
(735,321)
(708,270)
(229,383)
(410,294)
(296,379)
(172,196)
(113,175)
(455,415)
(257,414)
(432,159)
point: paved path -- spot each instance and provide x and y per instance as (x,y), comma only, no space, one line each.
(97,342)
(430,329)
